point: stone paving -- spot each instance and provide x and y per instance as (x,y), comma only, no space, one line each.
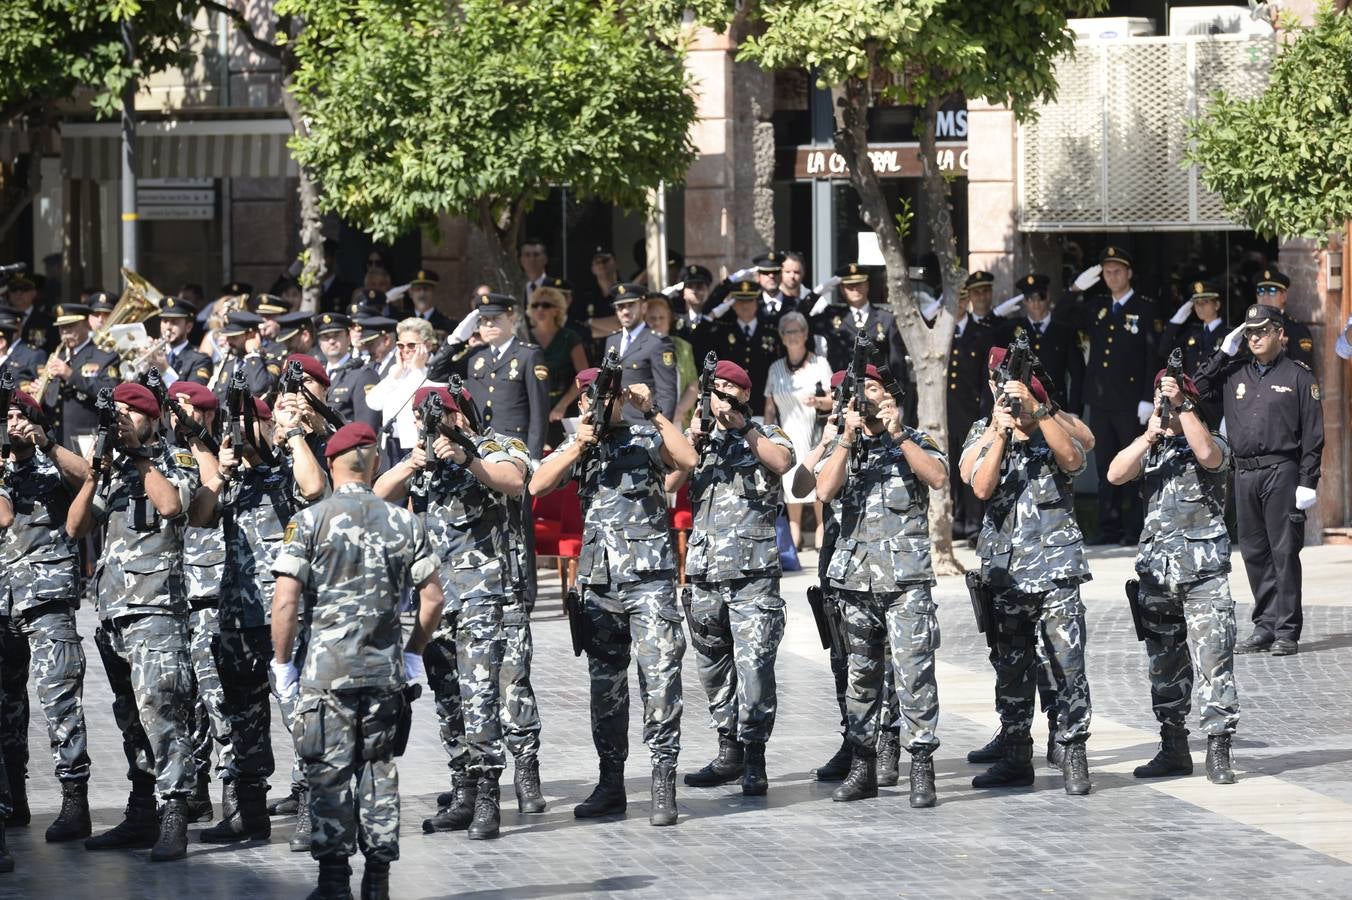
(1284,830)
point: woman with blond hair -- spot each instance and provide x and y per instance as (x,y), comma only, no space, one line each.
(393,395)
(563,354)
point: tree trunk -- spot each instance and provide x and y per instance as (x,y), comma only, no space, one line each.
(311,219)
(928,348)
(501,228)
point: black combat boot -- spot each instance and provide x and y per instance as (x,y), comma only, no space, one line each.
(334,876)
(526,779)
(861,783)
(922,778)
(199,804)
(244,815)
(286,806)
(608,796)
(724,768)
(1218,769)
(487,812)
(1075,768)
(837,767)
(300,841)
(755,782)
(6,861)
(1173,757)
(72,823)
(19,814)
(1013,769)
(173,842)
(457,811)
(138,830)
(375,881)
(994,751)
(1055,752)
(889,758)
(664,795)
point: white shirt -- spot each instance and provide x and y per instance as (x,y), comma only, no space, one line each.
(748,328)
(500,349)
(960,326)
(393,397)
(1118,303)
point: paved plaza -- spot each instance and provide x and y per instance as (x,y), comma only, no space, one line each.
(1284,830)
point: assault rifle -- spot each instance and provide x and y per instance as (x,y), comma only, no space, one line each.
(1172,369)
(240,407)
(185,426)
(6,397)
(856,376)
(293,382)
(1018,366)
(105,438)
(706,394)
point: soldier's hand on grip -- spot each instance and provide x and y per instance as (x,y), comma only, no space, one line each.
(639,397)
(586,435)
(445,448)
(854,421)
(417,458)
(1171,391)
(1002,419)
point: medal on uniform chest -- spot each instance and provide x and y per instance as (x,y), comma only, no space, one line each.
(1239,391)
(1133,323)
(835,323)
(1103,313)
(1192,341)
(511,371)
(881,333)
(732,339)
(768,344)
(479,364)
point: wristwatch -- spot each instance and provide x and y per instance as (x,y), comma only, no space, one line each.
(1187,405)
(48,447)
(1042,411)
(650,413)
(743,431)
(295,432)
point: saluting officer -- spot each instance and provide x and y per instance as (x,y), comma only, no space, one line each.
(771,300)
(841,323)
(349,379)
(1275,424)
(1121,329)
(422,300)
(979,289)
(244,352)
(1196,329)
(79,371)
(751,339)
(646,356)
(1271,289)
(185,362)
(1055,343)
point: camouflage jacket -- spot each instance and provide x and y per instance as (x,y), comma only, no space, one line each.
(736,500)
(203,564)
(1184,538)
(884,542)
(520,557)
(1030,541)
(624,507)
(141,569)
(354,555)
(39,562)
(254,513)
(468,524)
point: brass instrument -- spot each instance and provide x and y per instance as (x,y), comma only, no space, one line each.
(38,388)
(139,301)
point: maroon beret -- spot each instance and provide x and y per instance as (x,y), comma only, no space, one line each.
(31,409)
(997,356)
(732,373)
(199,395)
(447,398)
(838,378)
(310,366)
(350,437)
(586,377)
(262,410)
(137,397)
(1186,383)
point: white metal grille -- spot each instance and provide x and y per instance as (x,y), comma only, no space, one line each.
(1107,153)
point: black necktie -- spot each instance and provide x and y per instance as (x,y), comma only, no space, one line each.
(746,330)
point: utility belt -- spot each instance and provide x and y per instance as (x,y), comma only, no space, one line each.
(1266,461)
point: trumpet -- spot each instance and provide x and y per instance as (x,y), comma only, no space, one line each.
(141,363)
(39,388)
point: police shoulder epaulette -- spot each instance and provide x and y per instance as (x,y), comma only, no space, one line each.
(1304,365)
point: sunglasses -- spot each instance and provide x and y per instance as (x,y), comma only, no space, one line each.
(403,346)
(543,306)
(1265,331)
(1268,289)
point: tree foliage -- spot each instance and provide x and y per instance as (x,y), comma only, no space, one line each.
(478,110)
(1282,161)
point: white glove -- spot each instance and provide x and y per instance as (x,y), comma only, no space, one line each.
(1304,497)
(827,285)
(413,666)
(721,308)
(1182,315)
(675,290)
(396,292)
(743,274)
(823,301)
(1143,410)
(1008,306)
(1088,278)
(1230,346)
(286,679)
(467,327)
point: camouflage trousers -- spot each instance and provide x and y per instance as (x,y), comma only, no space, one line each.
(45,642)
(623,620)
(735,628)
(1190,633)
(150,673)
(210,725)
(242,662)
(345,739)
(840,671)
(907,621)
(467,672)
(1023,621)
(517,708)
(1046,690)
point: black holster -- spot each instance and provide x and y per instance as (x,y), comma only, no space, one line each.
(411,692)
(1134,604)
(983,606)
(577,623)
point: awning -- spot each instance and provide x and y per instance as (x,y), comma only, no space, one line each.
(248,148)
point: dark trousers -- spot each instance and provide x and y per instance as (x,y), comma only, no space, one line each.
(1119,507)
(967,509)
(1271,534)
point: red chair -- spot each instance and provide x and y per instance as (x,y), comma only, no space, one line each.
(681,518)
(558,530)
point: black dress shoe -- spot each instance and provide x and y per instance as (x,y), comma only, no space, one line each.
(1254,643)
(1285,647)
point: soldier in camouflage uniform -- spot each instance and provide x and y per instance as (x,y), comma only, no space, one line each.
(38,595)
(140,501)
(249,499)
(626,571)
(1032,560)
(520,713)
(341,571)
(1184,590)
(464,497)
(881,570)
(735,607)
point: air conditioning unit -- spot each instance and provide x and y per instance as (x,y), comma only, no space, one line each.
(1202,21)
(1111,28)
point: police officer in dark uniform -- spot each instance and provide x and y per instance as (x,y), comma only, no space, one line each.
(1271,290)
(377,340)
(1197,330)
(1122,332)
(38,328)
(750,339)
(841,322)
(244,352)
(296,334)
(100,304)
(968,400)
(980,293)
(1275,423)
(689,317)
(270,308)
(772,301)
(78,370)
(646,357)
(422,302)
(1056,344)
(185,361)
(15,354)
(349,378)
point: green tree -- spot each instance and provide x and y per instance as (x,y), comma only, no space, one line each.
(921,53)
(1282,161)
(415,109)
